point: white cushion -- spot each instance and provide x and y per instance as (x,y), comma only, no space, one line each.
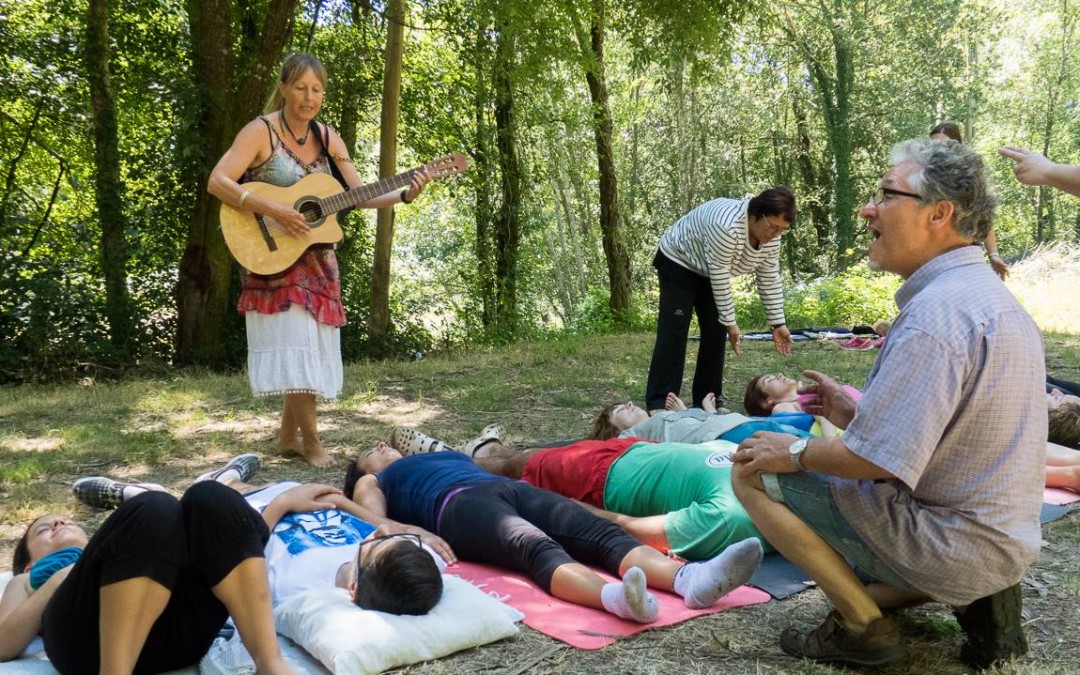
(352,641)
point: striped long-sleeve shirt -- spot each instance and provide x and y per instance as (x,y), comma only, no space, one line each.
(713,241)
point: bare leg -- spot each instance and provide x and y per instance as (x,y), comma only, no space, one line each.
(700,584)
(496,458)
(302,409)
(245,592)
(288,433)
(578,584)
(129,609)
(1067,477)
(628,599)
(891,597)
(659,569)
(1062,467)
(649,530)
(804,547)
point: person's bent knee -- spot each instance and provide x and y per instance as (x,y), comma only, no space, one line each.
(745,481)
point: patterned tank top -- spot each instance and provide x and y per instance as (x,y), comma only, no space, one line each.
(313,281)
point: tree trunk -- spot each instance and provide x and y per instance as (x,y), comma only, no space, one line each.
(107,185)
(816,205)
(379,318)
(480,177)
(507,223)
(226,101)
(618,262)
(840,137)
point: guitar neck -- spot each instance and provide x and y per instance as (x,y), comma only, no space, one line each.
(359,195)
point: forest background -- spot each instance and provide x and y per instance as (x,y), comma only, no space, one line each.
(591,125)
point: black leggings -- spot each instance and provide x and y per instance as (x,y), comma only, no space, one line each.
(683,292)
(514,525)
(187,546)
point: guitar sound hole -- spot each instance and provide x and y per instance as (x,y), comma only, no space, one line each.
(312,211)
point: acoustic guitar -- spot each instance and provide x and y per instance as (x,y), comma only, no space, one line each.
(264,246)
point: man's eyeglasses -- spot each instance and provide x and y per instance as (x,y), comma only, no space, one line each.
(374,542)
(880,195)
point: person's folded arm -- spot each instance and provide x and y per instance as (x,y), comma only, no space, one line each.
(769,451)
(21,611)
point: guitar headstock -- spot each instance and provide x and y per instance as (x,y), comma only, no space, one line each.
(447,165)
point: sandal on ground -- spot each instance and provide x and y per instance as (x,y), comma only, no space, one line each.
(415,442)
(492,432)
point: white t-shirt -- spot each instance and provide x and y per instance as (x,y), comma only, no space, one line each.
(306,549)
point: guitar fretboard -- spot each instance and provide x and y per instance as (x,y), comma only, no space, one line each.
(359,195)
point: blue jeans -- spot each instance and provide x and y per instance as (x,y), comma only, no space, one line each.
(809,497)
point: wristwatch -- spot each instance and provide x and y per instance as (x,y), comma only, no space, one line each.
(795,452)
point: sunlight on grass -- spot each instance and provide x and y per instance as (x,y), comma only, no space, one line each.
(1045,282)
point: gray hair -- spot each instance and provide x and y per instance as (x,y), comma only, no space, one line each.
(950,171)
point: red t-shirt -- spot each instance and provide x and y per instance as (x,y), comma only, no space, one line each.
(579,470)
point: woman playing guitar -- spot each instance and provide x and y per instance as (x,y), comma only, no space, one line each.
(293,318)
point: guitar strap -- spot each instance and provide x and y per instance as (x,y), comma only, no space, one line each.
(323,134)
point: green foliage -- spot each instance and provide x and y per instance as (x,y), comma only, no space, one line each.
(858,296)
(594,316)
(708,99)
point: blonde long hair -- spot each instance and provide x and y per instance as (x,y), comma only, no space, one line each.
(292,69)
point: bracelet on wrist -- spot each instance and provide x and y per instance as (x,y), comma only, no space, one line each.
(243,196)
(405,196)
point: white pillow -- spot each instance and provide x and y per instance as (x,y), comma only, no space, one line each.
(352,641)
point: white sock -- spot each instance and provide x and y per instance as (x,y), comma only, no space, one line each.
(701,584)
(630,599)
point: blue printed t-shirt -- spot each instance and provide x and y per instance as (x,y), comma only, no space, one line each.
(414,485)
(306,548)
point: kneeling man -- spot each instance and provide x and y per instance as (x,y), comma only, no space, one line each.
(934,491)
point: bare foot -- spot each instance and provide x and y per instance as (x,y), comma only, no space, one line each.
(708,404)
(288,449)
(288,445)
(673,402)
(317,457)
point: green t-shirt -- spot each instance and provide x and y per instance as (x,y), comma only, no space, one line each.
(691,483)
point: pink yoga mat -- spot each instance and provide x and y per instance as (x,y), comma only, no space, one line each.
(579,626)
(1060,496)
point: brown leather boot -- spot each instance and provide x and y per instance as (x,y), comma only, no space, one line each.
(993,628)
(831,642)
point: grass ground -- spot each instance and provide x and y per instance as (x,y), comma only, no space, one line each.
(170,430)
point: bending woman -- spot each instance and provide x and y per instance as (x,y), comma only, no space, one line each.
(491,519)
(149,591)
(696,260)
(294,345)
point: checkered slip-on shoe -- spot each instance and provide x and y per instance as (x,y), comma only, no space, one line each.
(106,493)
(246,466)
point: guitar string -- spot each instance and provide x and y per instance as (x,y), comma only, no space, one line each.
(341,200)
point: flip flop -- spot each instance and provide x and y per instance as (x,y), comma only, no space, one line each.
(415,442)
